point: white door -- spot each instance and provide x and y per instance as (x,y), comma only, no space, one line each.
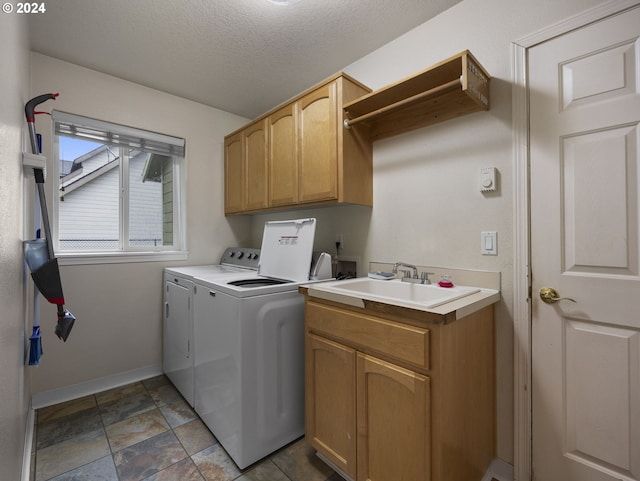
(585,117)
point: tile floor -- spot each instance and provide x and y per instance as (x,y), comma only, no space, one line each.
(146,431)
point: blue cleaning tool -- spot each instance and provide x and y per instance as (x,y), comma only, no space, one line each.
(35,341)
(35,347)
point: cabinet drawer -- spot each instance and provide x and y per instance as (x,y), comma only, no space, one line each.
(399,341)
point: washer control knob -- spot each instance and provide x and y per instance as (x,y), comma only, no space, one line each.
(240,255)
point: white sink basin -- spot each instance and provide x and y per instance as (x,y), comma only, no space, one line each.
(396,292)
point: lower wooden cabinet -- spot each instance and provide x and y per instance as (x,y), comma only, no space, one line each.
(393,416)
(375,412)
(331,401)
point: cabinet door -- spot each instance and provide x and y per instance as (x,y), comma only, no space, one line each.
(283,160)
(394,435)
(255,151)
(234,184)
(330,401)
(318,177)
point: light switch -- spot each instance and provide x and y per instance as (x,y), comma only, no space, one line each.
(489,243)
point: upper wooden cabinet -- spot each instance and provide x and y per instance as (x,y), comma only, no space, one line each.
(256,162)
(283,157)
(317,148)
(310,158)
(318,141)
(246,165)
(234,169)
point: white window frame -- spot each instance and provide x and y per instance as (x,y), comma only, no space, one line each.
(125,253)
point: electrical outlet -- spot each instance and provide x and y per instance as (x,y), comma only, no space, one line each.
(340,240)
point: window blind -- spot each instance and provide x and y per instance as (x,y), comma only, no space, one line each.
(114,134)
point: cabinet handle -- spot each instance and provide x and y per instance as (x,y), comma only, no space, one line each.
(166,310)
(212,294)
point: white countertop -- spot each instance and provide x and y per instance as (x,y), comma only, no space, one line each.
(485,283)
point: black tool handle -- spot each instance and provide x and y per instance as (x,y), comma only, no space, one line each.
(30,113)
(29,108)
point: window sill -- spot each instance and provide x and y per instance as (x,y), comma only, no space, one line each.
(85,258)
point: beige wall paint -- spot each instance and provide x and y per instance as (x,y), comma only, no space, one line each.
(118,306)
(428,209)
(14,329)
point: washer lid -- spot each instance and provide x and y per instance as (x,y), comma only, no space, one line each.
(286,249)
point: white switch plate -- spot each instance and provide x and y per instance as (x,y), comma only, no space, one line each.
(489,243)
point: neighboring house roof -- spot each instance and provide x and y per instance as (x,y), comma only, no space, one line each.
(74,174)
(73,184)
(87,167)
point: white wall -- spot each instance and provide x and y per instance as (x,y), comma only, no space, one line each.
(427,206)
(118,306)
(14,375)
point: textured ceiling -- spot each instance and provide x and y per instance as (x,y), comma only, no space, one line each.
(241,56)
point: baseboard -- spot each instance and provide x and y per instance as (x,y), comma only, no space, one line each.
(499,471)
(67,393)
(28,445)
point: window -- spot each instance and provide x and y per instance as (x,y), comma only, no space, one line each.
(119,188)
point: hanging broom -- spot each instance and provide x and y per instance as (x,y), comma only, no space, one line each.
(47,275)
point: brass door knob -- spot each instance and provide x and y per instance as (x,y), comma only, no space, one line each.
(550,296)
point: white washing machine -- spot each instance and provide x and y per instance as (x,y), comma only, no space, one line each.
(177,337)
(249,345)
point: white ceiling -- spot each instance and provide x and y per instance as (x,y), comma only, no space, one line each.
(241,56)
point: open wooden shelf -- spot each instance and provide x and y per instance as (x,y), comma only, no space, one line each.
(452,88)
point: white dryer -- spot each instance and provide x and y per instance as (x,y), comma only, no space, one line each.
(249,346)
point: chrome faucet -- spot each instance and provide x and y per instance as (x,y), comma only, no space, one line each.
(406,274)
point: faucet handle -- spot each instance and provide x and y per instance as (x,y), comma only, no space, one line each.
(424,277)
(406,273)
